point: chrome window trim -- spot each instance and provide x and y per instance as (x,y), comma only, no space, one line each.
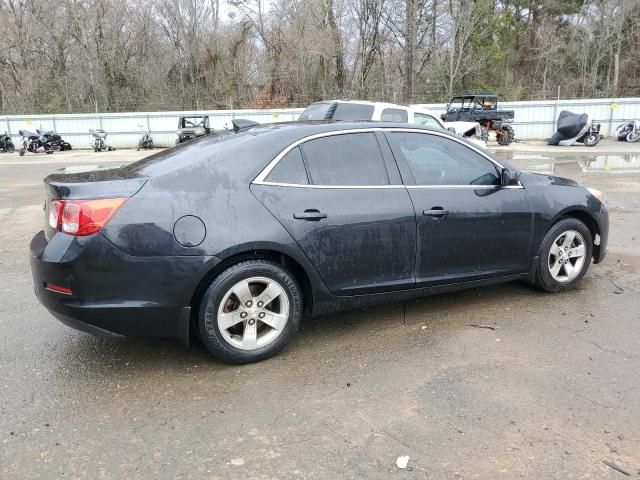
(261,177)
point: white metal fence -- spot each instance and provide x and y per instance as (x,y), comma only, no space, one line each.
(533,120)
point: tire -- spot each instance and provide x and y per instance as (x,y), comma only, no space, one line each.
(229,345)
(11,148)
(591,140)
(48,152)
(507,136)
(150,146)
(633,136)
(21,152)
(484,134)
(548,262)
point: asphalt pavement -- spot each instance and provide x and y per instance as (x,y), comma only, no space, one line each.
(551,391)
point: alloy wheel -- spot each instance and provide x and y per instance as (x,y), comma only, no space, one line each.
(567,256)
(253,313)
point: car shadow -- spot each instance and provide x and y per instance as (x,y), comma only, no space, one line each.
(444,314)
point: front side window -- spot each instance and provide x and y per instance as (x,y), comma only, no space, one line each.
(347,159)
(426,120)
(436,160)
(290,169)
(394,115)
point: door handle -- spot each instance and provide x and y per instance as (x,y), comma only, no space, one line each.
(311,215)
(437,212)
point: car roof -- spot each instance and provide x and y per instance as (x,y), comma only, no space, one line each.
(311,127)
(362,102)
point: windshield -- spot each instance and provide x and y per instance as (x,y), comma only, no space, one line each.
(193,122)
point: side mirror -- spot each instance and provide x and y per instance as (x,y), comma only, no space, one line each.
(451,129)
(507,177)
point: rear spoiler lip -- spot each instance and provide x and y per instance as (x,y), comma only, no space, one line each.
(60,190)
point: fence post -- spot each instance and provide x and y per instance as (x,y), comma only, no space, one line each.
(610,118)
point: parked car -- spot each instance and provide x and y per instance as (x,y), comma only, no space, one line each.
(389,112)
(191,127)
(234,235)
(482,108)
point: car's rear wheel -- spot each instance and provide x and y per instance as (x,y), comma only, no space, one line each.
(565,256)
(249,312)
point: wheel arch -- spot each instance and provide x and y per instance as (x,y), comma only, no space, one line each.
(586,217)
(269,253)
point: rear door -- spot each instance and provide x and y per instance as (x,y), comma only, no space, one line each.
(469,226)
(340,197)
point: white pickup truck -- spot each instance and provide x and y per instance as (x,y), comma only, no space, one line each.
(389,112)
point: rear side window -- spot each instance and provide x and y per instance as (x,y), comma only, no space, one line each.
(394,115)
(436,160)
(353,111)
(290,169)
(348,159)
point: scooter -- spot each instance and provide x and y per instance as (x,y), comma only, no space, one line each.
(146,142)
(55,140)
(629,131)
(99,144)
(34,143)
(575,128)
(6,144)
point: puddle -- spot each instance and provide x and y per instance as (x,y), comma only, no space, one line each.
(541,163)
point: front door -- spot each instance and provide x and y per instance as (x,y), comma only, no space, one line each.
(341,199)
(469,226)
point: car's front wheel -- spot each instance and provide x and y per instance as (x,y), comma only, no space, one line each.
(249,312)
(565,256)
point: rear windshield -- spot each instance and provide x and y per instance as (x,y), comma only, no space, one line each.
(342,111)
(316,111)
(353,111)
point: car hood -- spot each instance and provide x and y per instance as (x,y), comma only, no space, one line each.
(531,178)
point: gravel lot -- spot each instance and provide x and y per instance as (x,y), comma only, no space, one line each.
(553,392)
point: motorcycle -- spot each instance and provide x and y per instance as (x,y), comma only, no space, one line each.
(99,144)
(34,143)
(146,142)
(575,128)
(6,144)
(629,131)
(55,140)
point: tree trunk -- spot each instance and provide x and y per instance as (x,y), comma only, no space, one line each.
(337,45)
(616,72)
(409,51)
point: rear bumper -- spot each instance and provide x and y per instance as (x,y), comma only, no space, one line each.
(114,294)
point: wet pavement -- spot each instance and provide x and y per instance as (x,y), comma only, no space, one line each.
(552,392)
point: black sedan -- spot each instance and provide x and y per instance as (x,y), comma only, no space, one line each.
(234,236)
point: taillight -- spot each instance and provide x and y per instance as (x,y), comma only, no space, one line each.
(83,217)
(55,210)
